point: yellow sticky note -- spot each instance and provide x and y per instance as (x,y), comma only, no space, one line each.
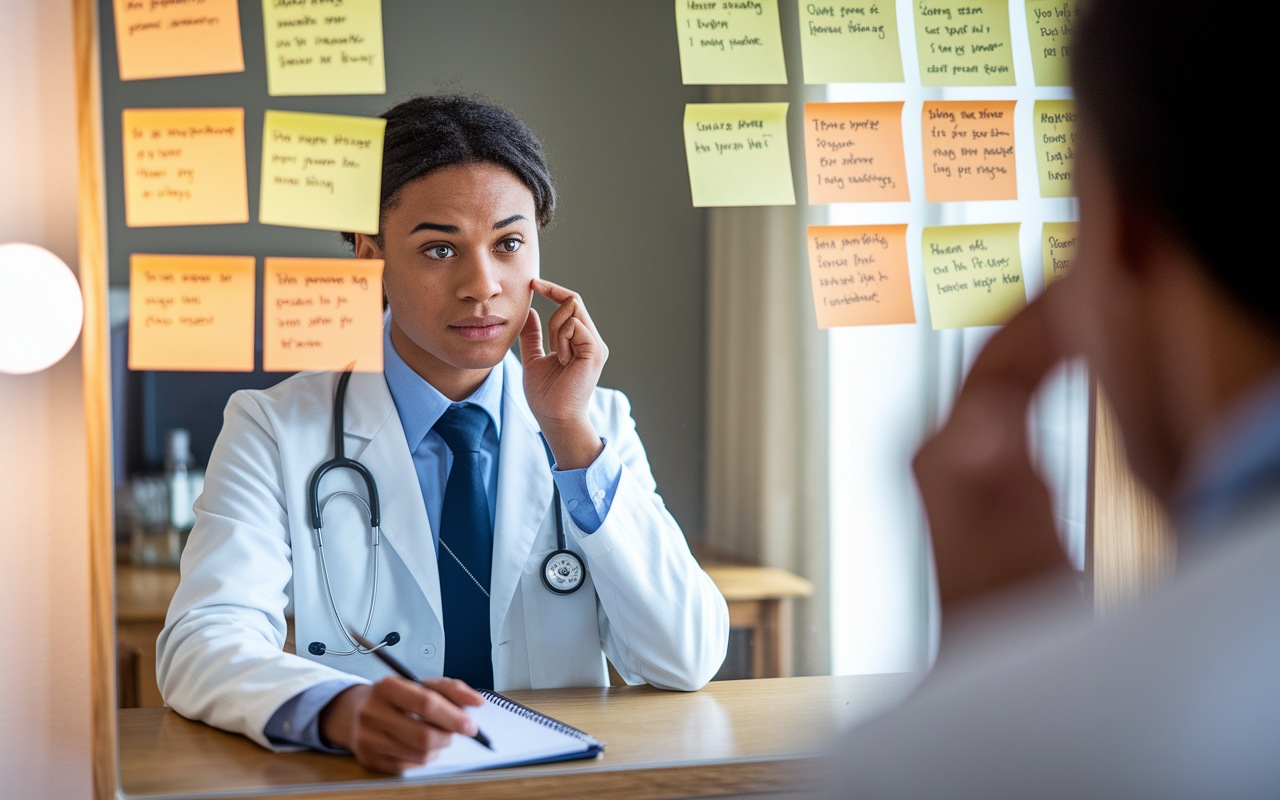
(1059,240)
(1054,127)
(184,166)
(853,153)
(850,43)
(968,150)
(324,47)
(1049,28)
(973,275)
(964,43)
(738,154)
(859,275)
(739,41)
(321,313)
(168,39)
(321,171)
(191,313)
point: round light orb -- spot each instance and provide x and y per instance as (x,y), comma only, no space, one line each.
(41,309)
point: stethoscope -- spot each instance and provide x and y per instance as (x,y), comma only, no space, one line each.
(562,571)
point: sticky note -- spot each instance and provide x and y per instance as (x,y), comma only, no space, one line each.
(1049,28)
(1059,240)
(853,152)
(321,313)
(859,275)
(738,154)
(850,43)
(964,43)
(730,42)
(184,166)
(169,39)
(973,274)
(321,171)
(968,151)
(325,47)
(1054,127)
(191,313)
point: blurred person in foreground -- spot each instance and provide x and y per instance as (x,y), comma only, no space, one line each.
(1171,302)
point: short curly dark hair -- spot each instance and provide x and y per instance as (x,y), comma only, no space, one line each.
(428,132)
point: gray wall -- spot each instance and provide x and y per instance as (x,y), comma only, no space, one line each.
(600,83)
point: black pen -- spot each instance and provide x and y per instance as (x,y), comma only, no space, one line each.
(404,672)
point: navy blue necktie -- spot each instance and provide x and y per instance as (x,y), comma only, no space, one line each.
(466,550)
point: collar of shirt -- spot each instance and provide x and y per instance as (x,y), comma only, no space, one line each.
(1237,470)
(421,405)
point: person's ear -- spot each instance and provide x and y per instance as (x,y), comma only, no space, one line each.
(367,247)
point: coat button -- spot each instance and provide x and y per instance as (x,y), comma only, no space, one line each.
(428,650)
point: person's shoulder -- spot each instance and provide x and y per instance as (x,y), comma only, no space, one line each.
(610,404)
(298,393)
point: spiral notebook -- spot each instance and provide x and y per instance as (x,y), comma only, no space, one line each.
(519,736)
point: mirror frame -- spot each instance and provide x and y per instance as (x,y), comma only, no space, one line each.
(1128,542)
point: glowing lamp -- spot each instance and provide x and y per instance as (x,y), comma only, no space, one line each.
(41,309)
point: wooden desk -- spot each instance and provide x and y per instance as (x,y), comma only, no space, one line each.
(732,737)
(756,597)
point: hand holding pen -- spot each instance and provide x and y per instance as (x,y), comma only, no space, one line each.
(394,725)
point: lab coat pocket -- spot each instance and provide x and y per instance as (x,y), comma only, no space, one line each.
(563,632)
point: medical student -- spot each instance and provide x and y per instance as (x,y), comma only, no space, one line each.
(468,450)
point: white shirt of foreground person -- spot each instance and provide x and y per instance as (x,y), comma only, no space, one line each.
(645,602)
(1177,698)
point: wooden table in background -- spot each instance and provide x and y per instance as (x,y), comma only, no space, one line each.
(756,597)
(142,600)
(733,737)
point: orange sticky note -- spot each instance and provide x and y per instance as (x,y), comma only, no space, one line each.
(859,275)
(191,313)
(968,151)
(184,166)
(853,152)
(167,39)
(321,313)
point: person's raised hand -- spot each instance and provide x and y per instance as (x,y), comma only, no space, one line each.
(559,384)
(990,514)
(396,724)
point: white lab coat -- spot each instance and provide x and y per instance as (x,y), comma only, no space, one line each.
(645,602)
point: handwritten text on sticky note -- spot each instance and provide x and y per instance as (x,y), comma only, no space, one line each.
(964,42)
(321,313)
(324,47)
(191,313)
(853,152)
(1050,24)
(850,43)
(859,275)
(730,42)
(1054,127)
(968,151)
(169,39)
(738,155)
(973,274)
(321,171)
(1059,241)
(184,166)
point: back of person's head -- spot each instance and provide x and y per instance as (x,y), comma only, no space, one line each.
(1159,89)
(430,132)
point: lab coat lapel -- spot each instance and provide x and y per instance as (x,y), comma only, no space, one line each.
(372,415)
(524,494)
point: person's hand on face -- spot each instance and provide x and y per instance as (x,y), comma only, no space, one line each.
(558,385)
(990,514)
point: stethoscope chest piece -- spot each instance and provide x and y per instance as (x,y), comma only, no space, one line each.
(563,572)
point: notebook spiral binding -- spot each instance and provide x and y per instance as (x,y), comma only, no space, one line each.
(507,704)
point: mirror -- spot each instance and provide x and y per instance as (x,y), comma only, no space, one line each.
(709,323)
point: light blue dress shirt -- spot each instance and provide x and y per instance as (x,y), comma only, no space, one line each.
(587,493)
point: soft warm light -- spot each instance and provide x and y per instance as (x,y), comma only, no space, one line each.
(41,309)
